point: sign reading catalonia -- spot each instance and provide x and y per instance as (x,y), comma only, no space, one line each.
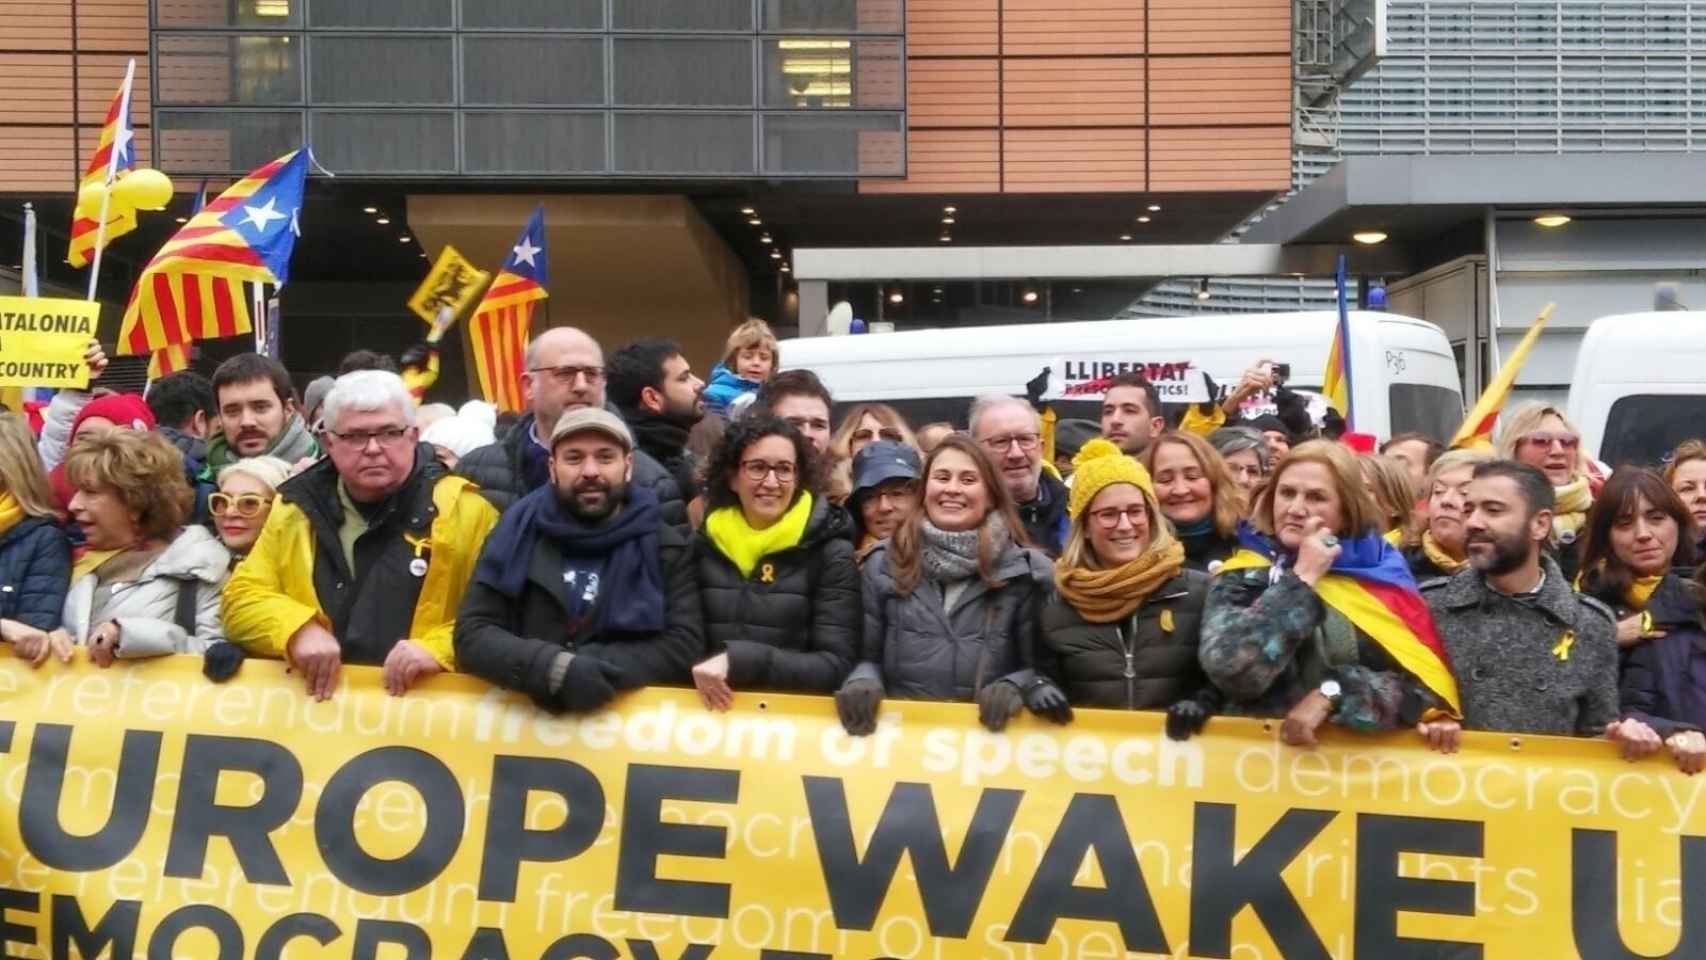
(152,813)
(43,340)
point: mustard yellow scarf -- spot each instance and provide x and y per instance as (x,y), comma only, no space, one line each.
(1438,557)
(11,512)
(1571,513)
(1641,591)
(744,546)
(1109,596)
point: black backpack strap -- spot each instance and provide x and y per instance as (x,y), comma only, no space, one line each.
(188,593)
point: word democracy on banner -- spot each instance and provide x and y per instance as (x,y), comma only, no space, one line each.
(43,339)
(151,813)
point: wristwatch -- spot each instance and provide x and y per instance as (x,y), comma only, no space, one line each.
(1332,691)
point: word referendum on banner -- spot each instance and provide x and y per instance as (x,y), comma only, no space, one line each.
(152,813)
(43,339)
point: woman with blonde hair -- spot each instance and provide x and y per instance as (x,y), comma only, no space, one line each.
(1440,548)
(35,556)
(1539,435)
(1388,481)
(149,585)
(865,424)
(1122,627)
(1198,495)
(1685,472)
(1285,630)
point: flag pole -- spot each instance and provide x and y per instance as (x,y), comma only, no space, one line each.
(112,174)
(258,306)
(29,283)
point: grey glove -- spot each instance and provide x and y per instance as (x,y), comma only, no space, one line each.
(590,683)
(856,704)
(997,703)
(1047,700)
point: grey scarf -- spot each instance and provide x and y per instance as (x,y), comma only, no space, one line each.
(951,555)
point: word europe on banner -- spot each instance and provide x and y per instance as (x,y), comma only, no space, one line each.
(154,814)
(42,341)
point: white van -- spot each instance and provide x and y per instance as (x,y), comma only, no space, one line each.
(1639,387)
(1403,373)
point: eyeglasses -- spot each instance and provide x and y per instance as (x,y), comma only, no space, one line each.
(886,433)
(1026,441)
(567,375)
(388,437)
(757,470)
(1109,518)
(1542,440)
(247,506)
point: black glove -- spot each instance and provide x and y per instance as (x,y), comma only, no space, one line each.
(1184,719)
(589,684)
(221,661)
(1046,700)
(856,704)
(997,703)
(416,356)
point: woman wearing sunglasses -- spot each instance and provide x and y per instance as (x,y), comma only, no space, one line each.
(1537,434)
(244,500)
(864,425)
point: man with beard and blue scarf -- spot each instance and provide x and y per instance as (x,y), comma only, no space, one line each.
(583,589)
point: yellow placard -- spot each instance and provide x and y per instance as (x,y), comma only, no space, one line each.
(155,814)
(454,284)
(43,340)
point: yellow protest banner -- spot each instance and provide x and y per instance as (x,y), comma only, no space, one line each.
(151,813)
(43,339)
(452,285)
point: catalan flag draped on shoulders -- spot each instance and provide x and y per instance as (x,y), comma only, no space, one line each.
(1370,585)
(499,330)
(115,151)
(193,288)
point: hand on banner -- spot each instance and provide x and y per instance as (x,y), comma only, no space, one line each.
(1184,719)
(997,703)
(856,704)
(1688,747)
(314,652)
(103,644)
(220,661)
(35,646)
(589,684)
(406,664)
(1306,718)
(1444,735)
(1634,739)
(711,677)
(1046,700)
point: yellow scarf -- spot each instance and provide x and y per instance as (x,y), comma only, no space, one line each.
(11,512)
(1571,513)
(744,546)
(91,561)
(1438,557)
(1641,591)
(1109,596)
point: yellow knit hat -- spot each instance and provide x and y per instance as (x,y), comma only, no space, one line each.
(1099,464)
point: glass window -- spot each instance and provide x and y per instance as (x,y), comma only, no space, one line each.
(380,13)
(862,144)
(389,141)
(684,143)
(1424,408)
(224,142)
(826,73)
(535,142)
(380,69)
(683,73)
(533,14)
(846,16)
(229,13)
(559,70)
(1643,428)
(676,15)
(228,69)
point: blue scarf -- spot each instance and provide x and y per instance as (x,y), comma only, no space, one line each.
(632,601)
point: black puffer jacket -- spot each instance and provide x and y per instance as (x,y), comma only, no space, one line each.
(795,625)
(496,467)
(1147,662)
(35,573)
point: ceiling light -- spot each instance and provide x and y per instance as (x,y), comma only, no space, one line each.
(896,295)
(1143,219)
(756,222)
(747,211)
(946,238)
(1077,289)
(765,238)
(948,220)
(1202,289)
(383,220)
(1552,219)
(775,254)
(1369,237)
(272,8)
(950,211)
(787,269)
(403,239)
(1155,208)
(936,290)
(1029,294)
(183,219)
(369,209)
(1125,236)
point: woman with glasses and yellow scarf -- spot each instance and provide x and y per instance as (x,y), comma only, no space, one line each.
(244,499)
(1537,434)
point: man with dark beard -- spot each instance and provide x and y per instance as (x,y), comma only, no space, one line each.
(1530,654)
(652,385)
(582,588)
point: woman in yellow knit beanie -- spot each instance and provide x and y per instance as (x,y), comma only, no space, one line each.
(1122,627)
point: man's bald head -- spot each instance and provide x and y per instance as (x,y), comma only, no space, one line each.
(565,371)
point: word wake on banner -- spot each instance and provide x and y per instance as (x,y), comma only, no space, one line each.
(151,813)
(43,339)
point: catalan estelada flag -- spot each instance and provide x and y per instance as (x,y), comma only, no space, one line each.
(1477,429)
(116,151)
(499,328)
(1336,382)
(193,288)
(168,360)
(1371,586)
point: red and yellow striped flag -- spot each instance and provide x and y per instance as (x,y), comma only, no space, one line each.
(500,327)
(116,151)
(1477,428)
(168,360)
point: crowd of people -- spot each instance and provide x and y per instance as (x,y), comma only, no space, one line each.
(637,526)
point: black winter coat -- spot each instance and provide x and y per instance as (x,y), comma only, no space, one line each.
(1206,551)
(795,625)
(511,642)
(35,573)
(497,468)
(1147,662)
(1656,673)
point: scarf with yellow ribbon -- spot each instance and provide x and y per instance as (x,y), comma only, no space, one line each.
(1111,595)
(744,546)
(1438,557)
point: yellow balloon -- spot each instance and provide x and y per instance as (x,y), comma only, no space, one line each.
(143,189)
(89,200)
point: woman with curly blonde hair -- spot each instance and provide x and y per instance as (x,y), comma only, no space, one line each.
(864,425)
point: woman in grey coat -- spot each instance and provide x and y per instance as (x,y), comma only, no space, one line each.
(951,603)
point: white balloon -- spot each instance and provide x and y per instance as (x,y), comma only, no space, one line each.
(840,319)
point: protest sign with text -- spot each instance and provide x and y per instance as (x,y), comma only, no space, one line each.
(43,340)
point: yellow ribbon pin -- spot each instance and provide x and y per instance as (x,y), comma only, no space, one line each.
(1167,621)
(1562,650)
(767,574)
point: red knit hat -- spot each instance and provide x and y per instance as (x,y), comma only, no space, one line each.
(127,410)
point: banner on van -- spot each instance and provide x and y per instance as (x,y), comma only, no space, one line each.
(1086,378)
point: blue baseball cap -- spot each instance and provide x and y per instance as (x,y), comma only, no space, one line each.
(882,461)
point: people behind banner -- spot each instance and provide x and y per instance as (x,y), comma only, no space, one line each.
(258,415)
(565,371)
(244,501)
(1418,452)
(1132,415)
(1070,436)
(99,415)
(1283,627)
(1010,431)
(951,601)
(455,436)
(654,389)
(1388,482)
(1246,456)
(186,415)
(582,589)
(35,554)
(930,435)
(886,489)
(750,359)
(1122,626)
(148,585)
(1538,434)
(778,585)
(1198,496)
(1440,548)
(801,399)
(1685,472)
(57,418)
(863,425)
(366,554)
